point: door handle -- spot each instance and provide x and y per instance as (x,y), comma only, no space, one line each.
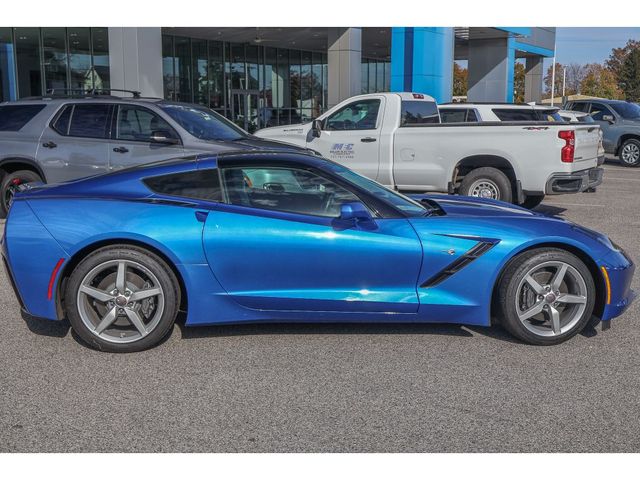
(49,145)
(368,139)
(120,149)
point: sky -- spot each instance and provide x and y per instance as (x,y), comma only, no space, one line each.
(589,45)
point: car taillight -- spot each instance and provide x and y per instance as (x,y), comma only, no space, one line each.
(567,152)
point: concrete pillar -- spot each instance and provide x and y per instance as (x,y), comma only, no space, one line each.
(533,79)
(135,59)
(344,62)
(491,66)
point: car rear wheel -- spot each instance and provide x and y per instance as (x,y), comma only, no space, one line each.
(630,153)
(9,186)
(486,182)
(122,298)
(545,296)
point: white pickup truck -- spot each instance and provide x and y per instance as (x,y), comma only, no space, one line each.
(398,140)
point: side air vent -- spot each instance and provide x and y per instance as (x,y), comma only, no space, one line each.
(474,252)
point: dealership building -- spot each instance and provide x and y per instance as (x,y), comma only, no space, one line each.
(271,76)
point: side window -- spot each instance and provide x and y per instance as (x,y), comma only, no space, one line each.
(516,115)
(200,184)
(63,120)
(453,116)
(138,124)
(14,117)
(361,115)
(90,120)
(471,116)
(416,113)
(579,107)
(284,189)
(598,110)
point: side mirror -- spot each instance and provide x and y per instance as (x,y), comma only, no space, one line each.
(608,118)
(316,128)
(355,211)
(163,136)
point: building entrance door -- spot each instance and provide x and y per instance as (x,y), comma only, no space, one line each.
(245,108)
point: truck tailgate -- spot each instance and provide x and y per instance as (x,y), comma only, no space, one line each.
(587,141)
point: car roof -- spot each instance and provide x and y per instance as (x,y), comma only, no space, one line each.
(498,105)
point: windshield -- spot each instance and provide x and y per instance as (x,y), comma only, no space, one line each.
(408,206)
(626,110)
(204,123)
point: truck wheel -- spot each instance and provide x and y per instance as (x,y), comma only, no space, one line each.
(486,182)
(532,201)
(630,153)
(9,186)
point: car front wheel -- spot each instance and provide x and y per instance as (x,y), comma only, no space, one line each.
(545,296)
(122,298)
(630,153)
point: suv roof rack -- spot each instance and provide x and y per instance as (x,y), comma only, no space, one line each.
(90,92)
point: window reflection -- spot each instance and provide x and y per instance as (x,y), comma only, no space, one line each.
(54,51)
(81,73)
(28,61)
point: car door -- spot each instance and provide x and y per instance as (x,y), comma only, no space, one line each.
(597,112)
(139,136)
(351,136)
(276,244)
(75,143)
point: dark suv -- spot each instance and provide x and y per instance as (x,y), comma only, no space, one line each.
(620,124)
(54,139)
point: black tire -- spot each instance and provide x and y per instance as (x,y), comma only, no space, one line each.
(532,201)
(498,181)
(9,182)
(163,273)
(634,159)
(507,294)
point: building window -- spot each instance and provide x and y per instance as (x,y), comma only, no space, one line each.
(8,89)
(54,53)
(27,42)
(283,86)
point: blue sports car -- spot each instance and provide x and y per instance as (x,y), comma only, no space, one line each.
(290,237)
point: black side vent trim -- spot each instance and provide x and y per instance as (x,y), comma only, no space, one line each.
(473,253)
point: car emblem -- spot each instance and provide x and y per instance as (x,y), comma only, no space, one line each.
(451,251)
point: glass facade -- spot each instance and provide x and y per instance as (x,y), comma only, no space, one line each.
(254,85)
(376,76)
(37,61)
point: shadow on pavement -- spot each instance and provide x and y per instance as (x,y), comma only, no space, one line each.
(549,209)
(47,328)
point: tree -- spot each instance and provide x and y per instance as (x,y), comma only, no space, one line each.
(518,82)
(629,75)
(459,80)
(618,56)
(558,80)
(600,82)
(575,75)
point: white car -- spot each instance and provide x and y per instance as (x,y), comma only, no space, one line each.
(497,112)
(398,140)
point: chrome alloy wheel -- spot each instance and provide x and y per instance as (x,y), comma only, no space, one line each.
(484,188)
(630,154)
(551,298)
(120,301)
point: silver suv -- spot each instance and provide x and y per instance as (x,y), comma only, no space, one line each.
(54,139)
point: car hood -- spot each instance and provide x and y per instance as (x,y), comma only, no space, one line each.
(474,207)
(255,143)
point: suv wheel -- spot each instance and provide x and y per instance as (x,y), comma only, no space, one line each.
(630,153)
(9,187)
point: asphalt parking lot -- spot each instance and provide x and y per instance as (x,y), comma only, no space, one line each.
(335,388)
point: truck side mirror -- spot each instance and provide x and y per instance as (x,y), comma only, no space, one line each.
(316,128)
(608,118)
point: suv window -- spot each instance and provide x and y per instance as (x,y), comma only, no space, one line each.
(598,110)
(199,184)
(14,117)
(84,120)
(415,113)
(138,123)
(361,115)
(516,115)
(283,189)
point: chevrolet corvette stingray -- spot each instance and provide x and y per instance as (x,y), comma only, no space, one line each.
(290,237)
